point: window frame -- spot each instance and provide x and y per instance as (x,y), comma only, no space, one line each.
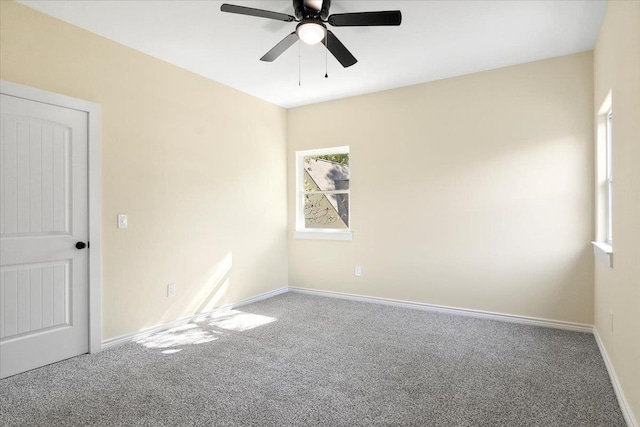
(603,245)
(609,175)
(301,231)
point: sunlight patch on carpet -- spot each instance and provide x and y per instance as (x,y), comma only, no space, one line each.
(203,330)
(238,321)
(189,333)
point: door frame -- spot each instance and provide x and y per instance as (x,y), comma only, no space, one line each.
(93,163)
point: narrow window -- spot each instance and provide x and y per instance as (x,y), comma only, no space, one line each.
(609,178)
(323,194)
(603,245)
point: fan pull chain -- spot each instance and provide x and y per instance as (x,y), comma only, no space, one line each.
(299,63)
(326,45)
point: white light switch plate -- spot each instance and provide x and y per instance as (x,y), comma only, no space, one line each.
(122,220)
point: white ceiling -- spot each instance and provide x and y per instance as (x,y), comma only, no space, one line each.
(437,39)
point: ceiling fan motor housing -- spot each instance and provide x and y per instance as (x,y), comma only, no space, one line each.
(301,12)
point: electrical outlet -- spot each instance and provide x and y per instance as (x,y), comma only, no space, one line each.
(611,320)
(358,271)
(171,290)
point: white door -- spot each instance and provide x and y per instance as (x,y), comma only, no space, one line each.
(43,215)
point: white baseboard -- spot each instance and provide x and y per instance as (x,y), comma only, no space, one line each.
(557,324)
(112,342)
(622,400)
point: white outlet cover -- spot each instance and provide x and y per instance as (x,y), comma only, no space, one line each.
(171,290)
(122,221)
(611,319)
(358,271)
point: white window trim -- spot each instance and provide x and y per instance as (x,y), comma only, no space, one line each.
(603,247)
(324,235)
(319,234)
(604,252)
(609,176)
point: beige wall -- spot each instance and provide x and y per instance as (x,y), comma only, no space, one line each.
(471,192)
(617,289)
(198,167)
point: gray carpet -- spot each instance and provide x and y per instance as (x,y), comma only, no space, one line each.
(296,360)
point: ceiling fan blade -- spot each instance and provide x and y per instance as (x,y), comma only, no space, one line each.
(366,19)
(338,50)
(279,49)
(241,10)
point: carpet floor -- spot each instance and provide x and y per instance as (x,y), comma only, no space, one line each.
(298,360)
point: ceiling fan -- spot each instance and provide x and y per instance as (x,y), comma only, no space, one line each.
(312,15)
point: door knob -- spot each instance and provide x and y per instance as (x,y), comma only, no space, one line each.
(81,245)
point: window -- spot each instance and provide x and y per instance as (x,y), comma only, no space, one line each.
(609,177)
(603,245)
(322,194)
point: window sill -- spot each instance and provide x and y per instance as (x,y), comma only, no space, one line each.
(324,235)
(604,252)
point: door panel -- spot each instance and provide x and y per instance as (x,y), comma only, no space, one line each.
(43,213)
(35,297)
(36,177)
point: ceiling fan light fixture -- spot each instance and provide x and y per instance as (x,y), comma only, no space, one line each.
(311,32)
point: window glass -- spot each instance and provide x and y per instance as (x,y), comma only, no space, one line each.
(325,190)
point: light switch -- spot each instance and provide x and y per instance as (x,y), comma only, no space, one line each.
(122,220)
